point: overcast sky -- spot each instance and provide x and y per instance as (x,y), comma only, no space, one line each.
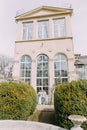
(8,9)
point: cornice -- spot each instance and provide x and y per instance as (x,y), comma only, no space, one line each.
(23,41)
(42,16)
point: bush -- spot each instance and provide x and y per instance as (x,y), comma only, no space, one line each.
(17,100)
(70,98)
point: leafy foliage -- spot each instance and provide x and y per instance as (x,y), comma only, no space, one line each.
(70,98)
(17,100)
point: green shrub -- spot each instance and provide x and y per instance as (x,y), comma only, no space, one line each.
(17,100)
(70,98)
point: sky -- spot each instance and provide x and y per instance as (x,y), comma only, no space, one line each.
(8,26)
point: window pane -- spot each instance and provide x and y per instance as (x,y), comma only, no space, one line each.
(45,65)
(39,65)
(25,68)
(60,68)
(45,73)
(45,82)
(59,27)
(43,29)
(39,73)
(57,65)
(57,73)
(27,31)
(39,82)
(42,72)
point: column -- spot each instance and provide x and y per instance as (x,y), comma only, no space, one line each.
(51,79)
(33,74)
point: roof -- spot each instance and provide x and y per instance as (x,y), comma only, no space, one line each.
(43,11)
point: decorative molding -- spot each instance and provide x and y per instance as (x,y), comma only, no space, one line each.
(43,40)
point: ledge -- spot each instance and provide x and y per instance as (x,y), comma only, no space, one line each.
(21,41)
(26,125)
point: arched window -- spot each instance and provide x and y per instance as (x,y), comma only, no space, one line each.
(25,69)
(42,73)
(60,69)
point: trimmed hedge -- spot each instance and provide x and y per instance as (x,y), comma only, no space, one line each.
(17,100)
(70,98)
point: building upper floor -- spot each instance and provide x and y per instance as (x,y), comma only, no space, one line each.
(44,22)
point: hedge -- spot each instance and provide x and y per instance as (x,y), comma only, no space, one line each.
(17,100)
(69,99)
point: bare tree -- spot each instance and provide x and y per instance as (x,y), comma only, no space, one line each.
(6,66)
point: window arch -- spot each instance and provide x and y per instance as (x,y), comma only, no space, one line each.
(60,69)
(25,69)
(42,80)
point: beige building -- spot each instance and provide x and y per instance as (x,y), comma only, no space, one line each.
(44,48)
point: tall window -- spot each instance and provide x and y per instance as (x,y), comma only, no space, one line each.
(27,31)
(60,69)
(43,29)
(42,73)
(25,69)
(59,28)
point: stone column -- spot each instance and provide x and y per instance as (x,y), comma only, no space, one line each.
(51,79)
(16,71)
(33,74)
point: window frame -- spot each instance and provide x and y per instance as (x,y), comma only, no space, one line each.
(28,30)
(60,78)
(25,72)
(60,31)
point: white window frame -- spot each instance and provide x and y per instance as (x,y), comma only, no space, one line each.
(59,27)
(62,64)
(43,29)
(28,28)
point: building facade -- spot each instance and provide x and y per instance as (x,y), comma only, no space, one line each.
(81,66)
(44,48)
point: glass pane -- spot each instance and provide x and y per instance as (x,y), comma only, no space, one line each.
(57,58)
(63,73)
(27,59)
(59,27)
(39,73)
(57,73)
(25,68)
(23,59)
(39,58)
(28,65)
(27,74)
(45,65)
(39,82)
(27,31)
(39,65)
(57,81)
(45,73)
(60,67)
(45,82)
(45,58)
(64,80)
(57,65)
(63,57)
(38,89)
(42,71)
(43,29)
(45,89)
